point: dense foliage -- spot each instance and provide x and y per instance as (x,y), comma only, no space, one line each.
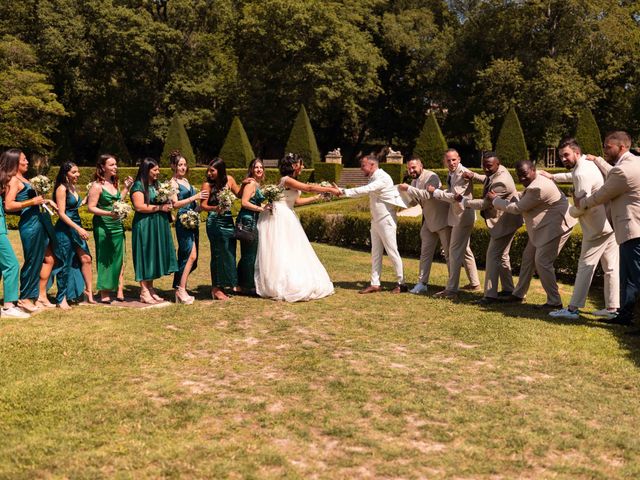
(431,144)
(177,139)
(302,140)
(78,76)
(236,150)
(511,146)
(588,134)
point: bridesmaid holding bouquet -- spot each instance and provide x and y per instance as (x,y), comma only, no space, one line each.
(108,230)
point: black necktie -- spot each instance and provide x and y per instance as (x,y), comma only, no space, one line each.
(449,181)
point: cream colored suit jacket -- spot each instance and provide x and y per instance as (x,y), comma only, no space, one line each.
(545,210)
(621,188)
(499,223)
(434,211)
(458,215)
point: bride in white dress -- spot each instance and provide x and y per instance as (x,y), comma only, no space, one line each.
(287,268)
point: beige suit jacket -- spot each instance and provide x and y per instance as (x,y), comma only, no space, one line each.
(458,185)
(434,211)
(499,223)
(621,188)
(545,210)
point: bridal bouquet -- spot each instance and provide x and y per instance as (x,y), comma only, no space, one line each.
(225,199)
(42,185)
(190,219)
(326,195)
(272,193)
(165,192)
(121,209)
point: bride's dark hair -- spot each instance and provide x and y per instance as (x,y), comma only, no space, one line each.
(285,165)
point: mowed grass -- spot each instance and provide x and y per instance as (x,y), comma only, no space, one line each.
(352,386)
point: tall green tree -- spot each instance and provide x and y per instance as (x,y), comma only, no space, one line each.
(236,150)
(510,146)
(588,134)
(431,144)
(177,139)
(29,110)
(302,140)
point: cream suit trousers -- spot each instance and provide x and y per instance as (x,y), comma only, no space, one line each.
(498,266)
(605,251)
(429,242)
(460,254)
(383,238)
(541,260)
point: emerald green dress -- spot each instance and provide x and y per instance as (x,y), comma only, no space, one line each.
(68,274)
(186,237)
(154,254)
(36,233)
(9,266)
(249,250)
(220,229)
(108,234)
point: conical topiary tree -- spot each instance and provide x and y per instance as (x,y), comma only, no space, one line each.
(431,144)
(113,143)
(588,134)
(510,146)
(302,140)
(177,139)
(236,150)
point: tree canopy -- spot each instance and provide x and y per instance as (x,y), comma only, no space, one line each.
(368,71)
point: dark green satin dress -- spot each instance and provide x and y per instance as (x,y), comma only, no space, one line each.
(249,250)
(9,266)
(36,233)
(68,274)
(108,234)
(220,229)
(154,254)
(186,237)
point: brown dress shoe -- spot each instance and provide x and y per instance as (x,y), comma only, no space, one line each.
(472,288)
(371,289)
(400,289)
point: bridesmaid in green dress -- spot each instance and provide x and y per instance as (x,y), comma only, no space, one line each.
(74,275)
(220,230)
(252,199)
(154,254)
(37,237)
(188,239)
(9,266)
(108,231)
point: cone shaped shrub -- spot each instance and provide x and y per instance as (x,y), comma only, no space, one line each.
(588,134)
(177,139)
(236,150)
(510,145)
(302,140)
(431,144)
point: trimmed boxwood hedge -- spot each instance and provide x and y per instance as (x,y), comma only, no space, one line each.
(330,172)
(353,230)
(396,171)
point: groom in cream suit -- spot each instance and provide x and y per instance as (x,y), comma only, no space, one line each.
(383,200)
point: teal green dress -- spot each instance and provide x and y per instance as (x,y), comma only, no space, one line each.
(186,237)
(68,274)
(108,234)
(9,266)
(249,250)
(220,229)
(36,233)
(154,254)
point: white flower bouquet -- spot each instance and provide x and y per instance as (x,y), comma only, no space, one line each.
(190,219)
(225,199)
(42,185)
(326,195)
(272,193)
(121,209)
(165,192)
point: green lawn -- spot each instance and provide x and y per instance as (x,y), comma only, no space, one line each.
(376,386)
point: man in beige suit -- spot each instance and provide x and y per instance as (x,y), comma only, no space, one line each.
(546,214)
(435,226)
(621,190)
(502,227)
(598,241)
(461,221)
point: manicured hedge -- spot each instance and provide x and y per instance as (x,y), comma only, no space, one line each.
(327,171)
(395,170)
(352,230)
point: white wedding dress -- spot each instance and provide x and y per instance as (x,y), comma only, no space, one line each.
(287,268)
